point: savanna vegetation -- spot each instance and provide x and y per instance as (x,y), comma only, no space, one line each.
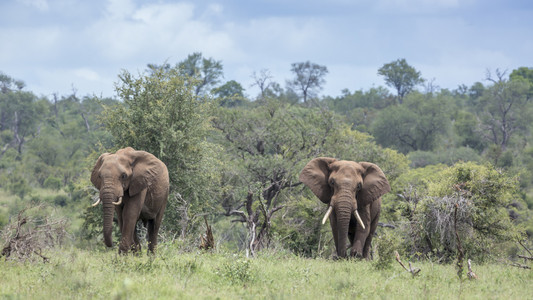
(460,164)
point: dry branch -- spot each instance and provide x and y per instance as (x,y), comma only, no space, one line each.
(207,241)
(29,236)
(460,253)
(470,273)
(521,244)
(519,266)
(413,272)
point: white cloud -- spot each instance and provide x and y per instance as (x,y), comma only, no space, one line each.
(156,31)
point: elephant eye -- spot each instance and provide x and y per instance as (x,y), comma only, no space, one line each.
(332,182)
(123,176)
(359,186)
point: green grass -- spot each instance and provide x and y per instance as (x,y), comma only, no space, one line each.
(83,274)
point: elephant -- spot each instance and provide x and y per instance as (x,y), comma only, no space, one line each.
(136,184)
(353,192)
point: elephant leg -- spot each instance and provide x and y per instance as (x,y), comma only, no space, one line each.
(368,242)
(351,233)
(151,236)
(373,227)
(360,233)
(130,215)
(118,210)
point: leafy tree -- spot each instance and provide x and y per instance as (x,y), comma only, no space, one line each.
(360,107)
(467,129)
(266,148)
(526,74)
(309,78)
(504,110)
(21,114)
(230,94)
(207,71)
(414,125)
(163,115)
(401,76)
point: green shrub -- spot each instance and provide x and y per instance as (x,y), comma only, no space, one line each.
(238,271)
(385,244)
(481,195)
(53,183)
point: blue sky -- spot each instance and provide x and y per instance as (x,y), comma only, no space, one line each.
(60,46)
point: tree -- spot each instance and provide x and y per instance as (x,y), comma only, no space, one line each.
(161,114)
(266,147)
(230,94)
(207,72)
(263,81)
(401,76)
(309,78)
(21,114)
(504,110)
(413,125)
(526,74)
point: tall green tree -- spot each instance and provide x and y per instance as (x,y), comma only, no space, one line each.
(266,147)
(401,76)
(230,94)
(309,79)
(526,74)
(21,114)
(504,110)
(414,125)
(162,114)
(207,71)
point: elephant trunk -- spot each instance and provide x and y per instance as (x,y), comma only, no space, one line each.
(343,213)
(109,211)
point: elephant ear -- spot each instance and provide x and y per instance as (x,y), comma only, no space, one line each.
(375,184)
(146,169)
(316,175)
(95,179)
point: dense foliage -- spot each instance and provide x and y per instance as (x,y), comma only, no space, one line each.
(235,159)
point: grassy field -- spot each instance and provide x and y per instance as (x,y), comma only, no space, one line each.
(82,274)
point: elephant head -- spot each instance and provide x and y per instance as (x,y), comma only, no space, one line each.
(347,187)
(126,172)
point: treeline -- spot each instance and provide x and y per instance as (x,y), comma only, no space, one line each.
(235,158)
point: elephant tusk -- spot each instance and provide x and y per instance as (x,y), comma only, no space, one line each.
(356,214)
(96,203)
(118,202)
(326,216)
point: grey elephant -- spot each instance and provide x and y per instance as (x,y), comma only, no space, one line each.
(135,185)
(353,193)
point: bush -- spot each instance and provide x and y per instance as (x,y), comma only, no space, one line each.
(481,194)
(238,271)
(53,183)
(384,244)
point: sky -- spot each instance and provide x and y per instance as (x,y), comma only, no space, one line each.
(77,46)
